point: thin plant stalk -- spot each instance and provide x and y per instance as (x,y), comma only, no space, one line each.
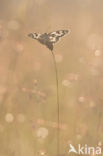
(58,106)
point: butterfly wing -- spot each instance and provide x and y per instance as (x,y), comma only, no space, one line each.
(49,45)
(56,35)
(42,38)
(34,35)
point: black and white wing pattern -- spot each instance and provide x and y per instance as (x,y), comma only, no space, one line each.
(34,35)
(56,35)
(48,39)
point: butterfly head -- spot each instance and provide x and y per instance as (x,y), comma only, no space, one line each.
(34,35)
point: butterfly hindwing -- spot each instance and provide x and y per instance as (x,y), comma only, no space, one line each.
(49,45)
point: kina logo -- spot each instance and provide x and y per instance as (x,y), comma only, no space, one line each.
(85,150)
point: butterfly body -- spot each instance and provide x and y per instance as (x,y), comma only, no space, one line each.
(48,39)
(43,38)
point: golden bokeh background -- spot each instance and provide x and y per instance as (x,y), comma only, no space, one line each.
(28,110)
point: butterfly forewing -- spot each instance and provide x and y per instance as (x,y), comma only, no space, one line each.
(34,35)
(54,36)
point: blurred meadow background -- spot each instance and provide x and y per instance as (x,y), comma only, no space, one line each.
(28,110)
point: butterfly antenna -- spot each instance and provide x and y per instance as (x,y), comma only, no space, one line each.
(58,107)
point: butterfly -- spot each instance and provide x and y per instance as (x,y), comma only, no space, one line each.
(49,39)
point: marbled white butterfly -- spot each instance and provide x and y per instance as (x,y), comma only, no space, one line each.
(48,39)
